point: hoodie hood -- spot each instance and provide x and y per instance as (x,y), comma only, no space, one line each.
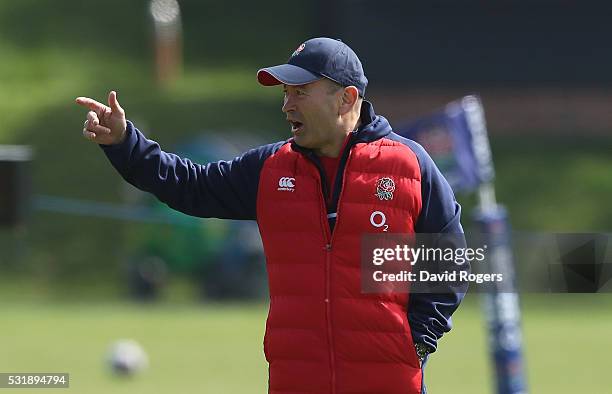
(373,127)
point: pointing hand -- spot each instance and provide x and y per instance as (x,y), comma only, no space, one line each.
(105,125)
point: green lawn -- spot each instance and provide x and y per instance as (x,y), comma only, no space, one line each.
(218,348)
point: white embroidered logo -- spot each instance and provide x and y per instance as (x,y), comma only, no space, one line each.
(385,188)
(378,219)
(286,184)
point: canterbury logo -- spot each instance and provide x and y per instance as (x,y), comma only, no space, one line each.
(286,184)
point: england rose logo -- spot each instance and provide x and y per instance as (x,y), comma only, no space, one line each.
(385,188)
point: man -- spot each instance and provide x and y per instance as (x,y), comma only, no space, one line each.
(314,196)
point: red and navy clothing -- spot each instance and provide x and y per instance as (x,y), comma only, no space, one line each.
(323,335)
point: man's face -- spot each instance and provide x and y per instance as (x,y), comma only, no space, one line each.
(312,111)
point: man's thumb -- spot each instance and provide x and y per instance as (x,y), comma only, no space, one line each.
(113,102)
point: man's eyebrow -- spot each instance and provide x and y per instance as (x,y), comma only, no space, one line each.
(305,86)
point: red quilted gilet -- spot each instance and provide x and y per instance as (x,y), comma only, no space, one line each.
(323,336)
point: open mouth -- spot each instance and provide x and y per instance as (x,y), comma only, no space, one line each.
(296,126)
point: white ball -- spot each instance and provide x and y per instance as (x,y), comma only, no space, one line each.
(127,357)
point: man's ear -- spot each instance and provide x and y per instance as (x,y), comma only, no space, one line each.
(350,95)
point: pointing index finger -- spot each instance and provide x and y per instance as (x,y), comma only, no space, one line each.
(92,105)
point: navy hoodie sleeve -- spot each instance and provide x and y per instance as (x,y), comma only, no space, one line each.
(430,314)
(225,189)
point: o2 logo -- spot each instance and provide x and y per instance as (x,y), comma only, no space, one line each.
(379,220)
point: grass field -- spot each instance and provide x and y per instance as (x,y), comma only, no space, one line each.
(196,348)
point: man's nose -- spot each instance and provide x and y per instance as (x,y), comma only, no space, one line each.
(288,105)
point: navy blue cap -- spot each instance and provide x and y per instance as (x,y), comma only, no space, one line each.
(315,59)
